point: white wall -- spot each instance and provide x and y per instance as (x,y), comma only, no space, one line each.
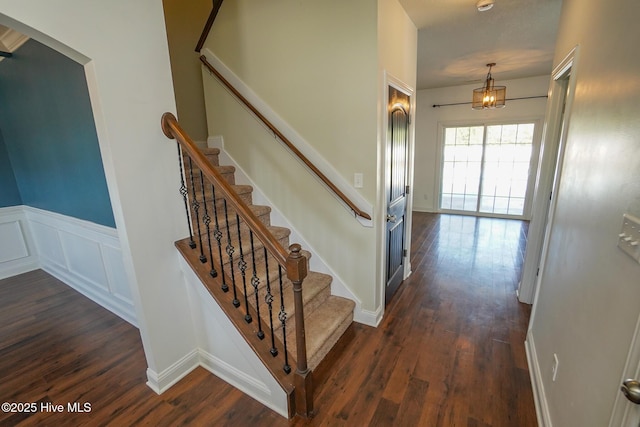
(123,47)
(587,304)
(425,194)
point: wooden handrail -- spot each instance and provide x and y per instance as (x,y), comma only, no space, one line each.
(326,181)
(173,130)
(208,24)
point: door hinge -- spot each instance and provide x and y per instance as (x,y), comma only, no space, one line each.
(537,271)
(406,190)
(404,253)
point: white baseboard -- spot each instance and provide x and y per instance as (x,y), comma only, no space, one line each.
(539,397)
(240,380)
(161,382)
(225,353)
(83,255)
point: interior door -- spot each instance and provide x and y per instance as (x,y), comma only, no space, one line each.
(626,409)
(396,187)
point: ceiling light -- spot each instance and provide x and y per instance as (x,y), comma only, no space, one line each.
(484,5)
(489,96)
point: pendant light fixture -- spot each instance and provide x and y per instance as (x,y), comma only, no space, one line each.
(489,96)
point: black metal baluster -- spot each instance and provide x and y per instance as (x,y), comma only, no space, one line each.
(268,298)
(282,316)
(255,281)
(206,219)
(196,208)
(230,251)
(184,192)
(218,235)
(242,265)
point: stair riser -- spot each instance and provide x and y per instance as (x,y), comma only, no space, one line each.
(256,256)
(265,218)
(227,173)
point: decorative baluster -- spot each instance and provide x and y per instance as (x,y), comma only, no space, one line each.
(230,251)
(282,316)
(206,219)
(218,235)
(242,265)
(196,208)
(268,298)
(184,192)
(255,282)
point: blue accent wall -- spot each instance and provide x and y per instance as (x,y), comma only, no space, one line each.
(9,193)
(50,136)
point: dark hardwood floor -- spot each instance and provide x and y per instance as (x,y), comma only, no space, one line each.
(449,352)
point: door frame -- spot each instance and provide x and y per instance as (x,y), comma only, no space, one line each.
(548,179)
(391,81)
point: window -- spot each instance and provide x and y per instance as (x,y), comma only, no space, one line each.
(485,169)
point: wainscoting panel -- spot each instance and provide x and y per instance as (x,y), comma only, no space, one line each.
(85,256)
(17,252)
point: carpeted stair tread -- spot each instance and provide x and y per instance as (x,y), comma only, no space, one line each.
(323,328)
(316,288)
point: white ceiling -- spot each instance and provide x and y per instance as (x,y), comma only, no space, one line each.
(456,41)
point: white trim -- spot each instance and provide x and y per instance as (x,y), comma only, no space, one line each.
(316,263)
(539,397)
(161,382)
(83,255)
(625,412)
(557,127)
(547,180)
(17,247)
(301,144)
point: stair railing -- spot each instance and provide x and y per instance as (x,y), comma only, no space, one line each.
(313,168)
(241,256)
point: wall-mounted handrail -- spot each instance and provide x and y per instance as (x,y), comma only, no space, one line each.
(326,181)
(208,24)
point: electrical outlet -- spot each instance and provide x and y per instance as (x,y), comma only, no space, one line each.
(554,368)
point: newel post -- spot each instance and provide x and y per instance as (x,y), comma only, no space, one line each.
(296,272)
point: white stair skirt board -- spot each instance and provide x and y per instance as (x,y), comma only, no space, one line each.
(224,352)
(539,397)
(316,263)
(17,249)
(83,255)
(301,144)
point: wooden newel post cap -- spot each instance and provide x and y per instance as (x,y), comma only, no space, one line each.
(296,264)
(165,123)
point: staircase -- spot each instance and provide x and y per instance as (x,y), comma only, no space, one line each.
(252,286)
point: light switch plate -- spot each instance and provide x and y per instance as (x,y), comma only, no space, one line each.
(629,237)
(358,180)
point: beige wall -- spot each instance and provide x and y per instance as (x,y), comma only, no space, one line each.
(425,195)
(316,64)
(587,306)
(184,21)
